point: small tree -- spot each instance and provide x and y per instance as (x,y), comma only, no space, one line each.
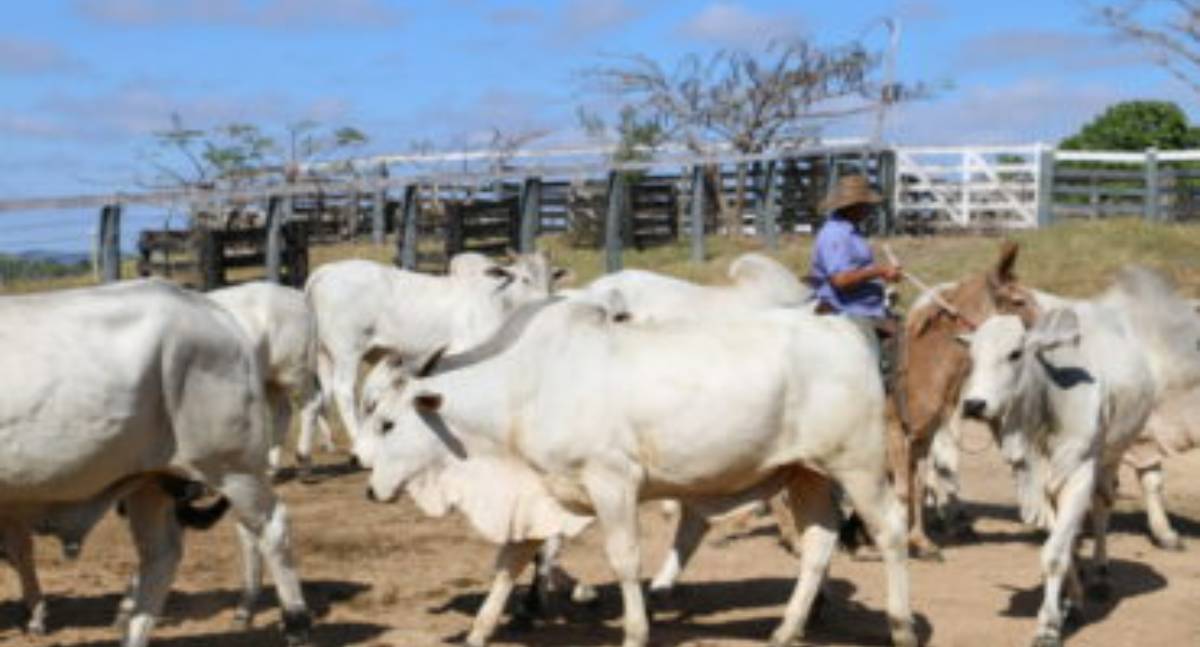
(1136,126)
(1169,28)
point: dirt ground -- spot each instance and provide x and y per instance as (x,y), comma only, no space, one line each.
(384,575)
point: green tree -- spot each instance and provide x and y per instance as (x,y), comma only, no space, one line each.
(1136,126)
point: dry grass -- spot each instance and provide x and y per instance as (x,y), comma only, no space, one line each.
(1076,258)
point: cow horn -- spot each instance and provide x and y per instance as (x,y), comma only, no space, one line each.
(429,363)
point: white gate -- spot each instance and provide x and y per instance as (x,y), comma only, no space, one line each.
(967,186)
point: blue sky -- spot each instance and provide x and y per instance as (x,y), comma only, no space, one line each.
(84,83)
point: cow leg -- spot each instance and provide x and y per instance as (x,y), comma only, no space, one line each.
(252,572)
(883,515)
(345,377)
(18,546)
(510,561)
(920,544)
(264,519)
(1151,481)
(1072,506)
(280,404)
(816,521)
(310,421)
(1102,501)
(782,511)
(688,533)
(616,508)
(158,537)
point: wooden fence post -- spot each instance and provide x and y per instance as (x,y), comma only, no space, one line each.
(885,171)
(531,209)
(378,224)
(697,214)
(407,255)
(1045,186)
(210,256)
(274,251)
(766,216)
(617,203)
(455,238)
(110,243)
(1151,208)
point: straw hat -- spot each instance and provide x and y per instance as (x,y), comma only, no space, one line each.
(849,190)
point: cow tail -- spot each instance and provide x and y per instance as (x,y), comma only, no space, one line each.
(185,493)
(200,517)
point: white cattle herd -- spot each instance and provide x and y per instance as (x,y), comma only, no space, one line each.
(534,411)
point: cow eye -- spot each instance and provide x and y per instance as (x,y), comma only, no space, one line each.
(1015,355)
(386,426)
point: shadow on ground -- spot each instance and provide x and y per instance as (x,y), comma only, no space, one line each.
(1129,580)
(184,606)
(683,619)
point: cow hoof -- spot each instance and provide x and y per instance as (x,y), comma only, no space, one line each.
(1171,542)
(928,553)
(584,594)
(297,628)
(1047,641)
(242,621)
(521,621)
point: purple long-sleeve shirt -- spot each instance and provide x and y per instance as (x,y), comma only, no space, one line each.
(839,247)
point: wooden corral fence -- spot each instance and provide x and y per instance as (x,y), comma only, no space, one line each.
(206,258)
(641,204)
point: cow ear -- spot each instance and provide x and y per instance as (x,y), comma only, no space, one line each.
(500,273)
(428,402)
(429,363)
(1058,327)
(561,275)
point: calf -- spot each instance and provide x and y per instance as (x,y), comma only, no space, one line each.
(1064,400)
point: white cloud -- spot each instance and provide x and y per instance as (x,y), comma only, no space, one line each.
(731,24)
(35,57)
(1022,112)
(1060,49)
(275,14)
(920,11)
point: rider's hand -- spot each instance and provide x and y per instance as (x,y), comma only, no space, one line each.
(891,273)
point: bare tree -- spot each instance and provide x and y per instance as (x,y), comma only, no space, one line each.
(1169,28)
(748,101)
(751,102)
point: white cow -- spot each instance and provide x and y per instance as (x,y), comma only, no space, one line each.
(102,387)
(283,331)
(564,413)
(364,307)
(1066,399)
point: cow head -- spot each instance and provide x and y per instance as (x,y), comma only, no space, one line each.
(526,278)
(403,432)
(1004,354)
(933,366)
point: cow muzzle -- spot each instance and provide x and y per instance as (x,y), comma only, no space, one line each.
(975,409)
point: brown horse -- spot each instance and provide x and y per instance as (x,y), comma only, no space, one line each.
(932,368)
